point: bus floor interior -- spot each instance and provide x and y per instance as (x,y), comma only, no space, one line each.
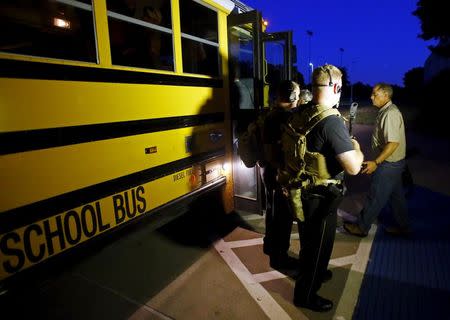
(206,265)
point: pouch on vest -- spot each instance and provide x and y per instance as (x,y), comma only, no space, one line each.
(250,143)
(302,168)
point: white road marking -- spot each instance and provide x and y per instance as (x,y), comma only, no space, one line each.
(347,302)
(267,303)
(349,297)
(363,252)
(343,261)
(249,217)
(252,282)
(268,276)
(245,243)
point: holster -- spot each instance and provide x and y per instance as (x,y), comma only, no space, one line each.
(319,202)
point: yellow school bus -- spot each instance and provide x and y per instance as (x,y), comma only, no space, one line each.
(112,111)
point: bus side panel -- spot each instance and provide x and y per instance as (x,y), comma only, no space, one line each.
(90,147)
(27,104)
(28,177)
(32,243)
(82,158)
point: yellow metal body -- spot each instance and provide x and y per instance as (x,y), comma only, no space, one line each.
(39,175)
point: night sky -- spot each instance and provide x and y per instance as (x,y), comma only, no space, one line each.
(379,37)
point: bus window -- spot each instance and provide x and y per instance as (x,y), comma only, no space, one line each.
(51,29)
(276,69)
(140,33)
(242,56)
(199,39)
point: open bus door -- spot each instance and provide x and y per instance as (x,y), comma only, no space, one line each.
(278,61)
(251,76)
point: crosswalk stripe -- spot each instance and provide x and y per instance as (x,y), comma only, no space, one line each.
(267,303)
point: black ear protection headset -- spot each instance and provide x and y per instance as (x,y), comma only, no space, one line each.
(331,83)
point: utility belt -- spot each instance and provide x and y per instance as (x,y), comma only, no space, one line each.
(327,187)
(326,193)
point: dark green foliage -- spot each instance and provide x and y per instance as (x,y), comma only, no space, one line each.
(436,103)
(413,79)
(433,15)
(361,91)
(413,91)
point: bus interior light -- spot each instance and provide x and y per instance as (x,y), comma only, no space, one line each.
(61,23)
(226,167)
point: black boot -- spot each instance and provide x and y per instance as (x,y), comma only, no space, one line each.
(315,303)
(327,275)
(283,261)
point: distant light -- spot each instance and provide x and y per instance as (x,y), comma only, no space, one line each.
(265,22)
(61,23)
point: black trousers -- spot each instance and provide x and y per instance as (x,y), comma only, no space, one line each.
(319,230)
(279,218)
(279,222)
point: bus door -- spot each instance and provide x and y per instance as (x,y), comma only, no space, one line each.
(246,89)
(258,61)
(278,61)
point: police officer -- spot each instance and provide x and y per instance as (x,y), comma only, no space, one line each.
(329,138)
(278,216)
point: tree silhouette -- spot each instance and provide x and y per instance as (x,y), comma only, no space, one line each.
(433,16)
(345,82)
(361,91)
(413,79)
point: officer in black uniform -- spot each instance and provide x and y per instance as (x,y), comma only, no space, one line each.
(330,138)
(278,217)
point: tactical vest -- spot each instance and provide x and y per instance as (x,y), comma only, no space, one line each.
(302,168)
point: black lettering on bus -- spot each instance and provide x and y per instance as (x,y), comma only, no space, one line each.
(28,243)
(72,239)
(98,211)
(49,234)
(8,266)
(119,210)
(86,211)
(130,213)
(142,206)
